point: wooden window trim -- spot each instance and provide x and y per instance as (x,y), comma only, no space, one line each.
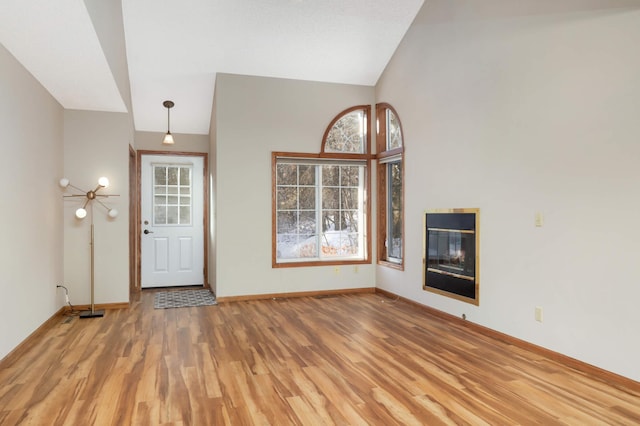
(381,185)
(366,156)
(367,139)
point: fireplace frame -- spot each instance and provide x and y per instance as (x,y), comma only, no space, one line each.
(447,266)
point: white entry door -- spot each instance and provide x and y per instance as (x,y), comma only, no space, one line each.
(172,240)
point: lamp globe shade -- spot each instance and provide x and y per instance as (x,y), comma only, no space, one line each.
(113,213)
(64,182)
(81,213)
(103,182)
(168,139)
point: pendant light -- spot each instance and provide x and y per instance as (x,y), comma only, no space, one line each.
(168,138)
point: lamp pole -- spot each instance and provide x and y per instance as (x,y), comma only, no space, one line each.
(92,312)
(81,213)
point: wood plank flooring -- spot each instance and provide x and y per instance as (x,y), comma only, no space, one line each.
(344,360)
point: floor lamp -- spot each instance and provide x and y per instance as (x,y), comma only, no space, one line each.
(81,213)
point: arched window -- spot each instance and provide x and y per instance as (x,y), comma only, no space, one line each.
(390,182)
(347,133)
(320,210)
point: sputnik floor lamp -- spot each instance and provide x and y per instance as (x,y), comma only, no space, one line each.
(81,213)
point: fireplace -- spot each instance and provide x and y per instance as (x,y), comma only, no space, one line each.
(451,253)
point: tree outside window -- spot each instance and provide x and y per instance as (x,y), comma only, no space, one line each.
(320,208)
(390,156)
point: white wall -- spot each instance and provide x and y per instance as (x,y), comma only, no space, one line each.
(518,109)
(97,144)
(107,20)
(31,207)
(255,116)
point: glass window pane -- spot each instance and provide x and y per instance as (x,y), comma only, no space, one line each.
(159,215)
(307,222)
(287,222)
(347,134)
(330,175)
(172,178)
(307,198)
(286,174)
(172,215)
(287,199)
(316,220)
(185,215)
(307,175)
(286,246)
(308,246)
(330,198)
(330,221)
(349,175)
(394,135)
(160,175)
(185,176)
(349,198)
(351,244)
(331,241)
(350,220)
(172,195)
(394,207)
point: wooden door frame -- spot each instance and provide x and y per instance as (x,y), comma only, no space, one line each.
(137,211)
(134,260)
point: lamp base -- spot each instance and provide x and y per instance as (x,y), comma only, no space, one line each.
(91,314)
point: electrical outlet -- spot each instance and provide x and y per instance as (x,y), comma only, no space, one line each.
(539,219)
(539,313)
(336,270)
(355,269)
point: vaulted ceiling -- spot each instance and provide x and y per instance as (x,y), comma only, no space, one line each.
(175,48)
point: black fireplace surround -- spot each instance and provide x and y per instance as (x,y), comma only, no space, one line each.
(450,253)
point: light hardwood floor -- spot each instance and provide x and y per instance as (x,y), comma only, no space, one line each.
(349,359)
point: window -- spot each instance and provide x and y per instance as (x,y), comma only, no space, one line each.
(171,195)
(347,133)
(320,200)
(390,187)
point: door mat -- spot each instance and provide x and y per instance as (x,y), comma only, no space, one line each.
(183,298)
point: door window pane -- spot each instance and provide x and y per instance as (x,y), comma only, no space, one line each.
(172,203)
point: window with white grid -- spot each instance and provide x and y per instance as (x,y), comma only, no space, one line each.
(172,190)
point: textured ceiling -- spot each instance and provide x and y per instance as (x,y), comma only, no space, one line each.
(56,42)
(175,48)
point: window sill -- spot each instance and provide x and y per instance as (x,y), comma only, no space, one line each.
(392,265)
(320,263)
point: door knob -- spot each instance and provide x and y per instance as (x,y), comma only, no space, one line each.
(146,231)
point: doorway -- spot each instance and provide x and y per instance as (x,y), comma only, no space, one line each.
(172,219)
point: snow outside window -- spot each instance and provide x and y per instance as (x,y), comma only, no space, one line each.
(390,187)
(319,210)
